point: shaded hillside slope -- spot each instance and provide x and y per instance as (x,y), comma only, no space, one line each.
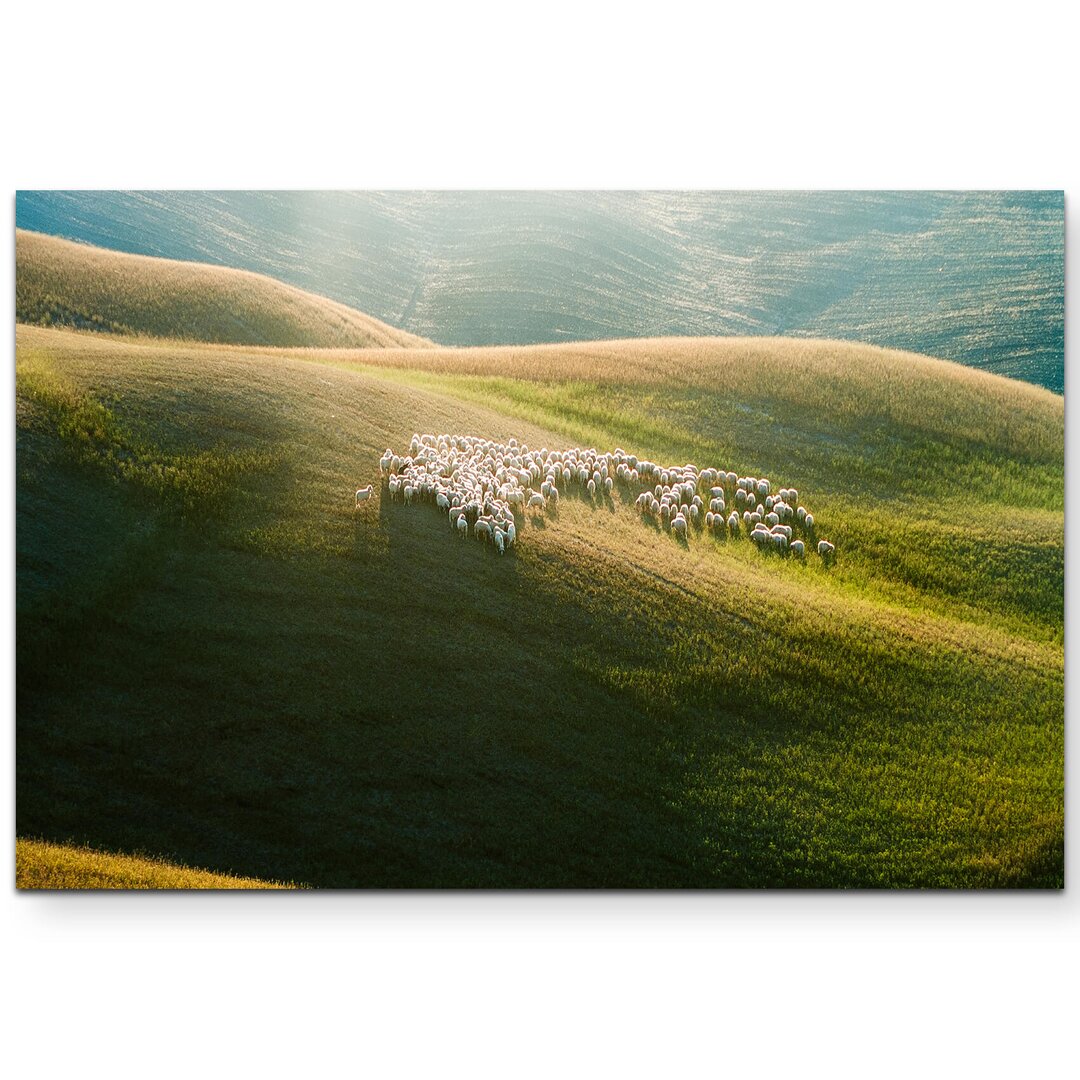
(221,660)
(66,284)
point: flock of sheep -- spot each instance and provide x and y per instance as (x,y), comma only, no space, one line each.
(481,483)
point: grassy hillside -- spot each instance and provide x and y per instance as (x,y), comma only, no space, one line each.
(59,283)
(221,660)
(39,865)
(973,276)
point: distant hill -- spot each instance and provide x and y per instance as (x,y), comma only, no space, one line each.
(60,283)
(975,277)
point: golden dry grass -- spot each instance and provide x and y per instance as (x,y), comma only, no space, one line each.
(837,379)
(41,865)
(62,283)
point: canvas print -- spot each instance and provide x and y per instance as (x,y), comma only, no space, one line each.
(550,539)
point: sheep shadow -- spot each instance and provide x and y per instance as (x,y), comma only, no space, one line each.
(419,534)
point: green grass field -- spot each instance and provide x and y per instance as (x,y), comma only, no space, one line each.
(221,661)
(59,283)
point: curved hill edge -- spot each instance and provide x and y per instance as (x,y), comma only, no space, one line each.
(61,282)
(44,865)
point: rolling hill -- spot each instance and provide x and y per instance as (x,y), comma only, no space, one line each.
(59,283)
(221,660)
(975,277)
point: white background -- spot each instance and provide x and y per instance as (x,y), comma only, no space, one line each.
(554,95)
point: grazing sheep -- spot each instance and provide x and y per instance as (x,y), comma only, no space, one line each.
(825,549)
(480,482)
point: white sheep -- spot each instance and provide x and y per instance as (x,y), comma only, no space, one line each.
(479,482)
(363,494)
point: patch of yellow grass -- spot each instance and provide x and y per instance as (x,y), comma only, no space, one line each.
(61,283)
(41,865)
